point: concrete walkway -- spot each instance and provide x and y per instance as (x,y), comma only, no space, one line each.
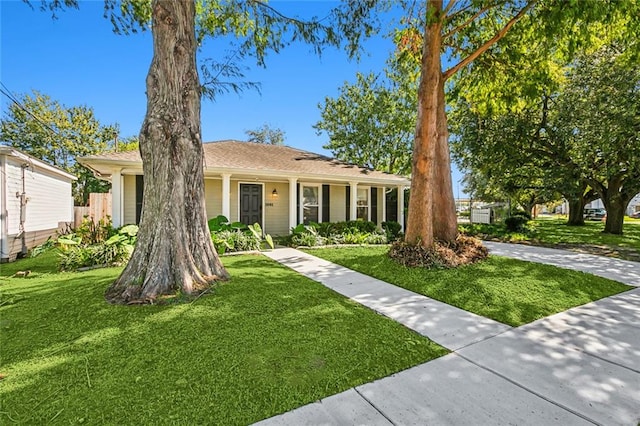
(581,366)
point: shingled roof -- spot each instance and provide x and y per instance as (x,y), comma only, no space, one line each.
(235,156)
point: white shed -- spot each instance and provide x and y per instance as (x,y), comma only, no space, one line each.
(35,201)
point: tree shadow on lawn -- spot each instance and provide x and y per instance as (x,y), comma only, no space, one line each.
(267,341)
(507,290)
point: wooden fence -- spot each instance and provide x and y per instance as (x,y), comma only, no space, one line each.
(99,207)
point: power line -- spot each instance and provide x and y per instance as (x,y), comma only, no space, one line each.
(5,91)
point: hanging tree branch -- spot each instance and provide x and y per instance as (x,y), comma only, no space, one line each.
(467,22)
(500,34)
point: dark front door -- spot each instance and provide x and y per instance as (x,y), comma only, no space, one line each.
(250,204)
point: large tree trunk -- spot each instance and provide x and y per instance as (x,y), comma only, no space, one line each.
(576,211)
(616,205)
(174,252)
(445,220)
(420,223)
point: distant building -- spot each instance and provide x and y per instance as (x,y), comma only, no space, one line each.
(35,201)
(634,204)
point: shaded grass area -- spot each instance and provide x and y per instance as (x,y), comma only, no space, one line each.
(507,290)
(267,341)
(557,231)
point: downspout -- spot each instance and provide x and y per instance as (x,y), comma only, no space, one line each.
(4,232)
(23,210)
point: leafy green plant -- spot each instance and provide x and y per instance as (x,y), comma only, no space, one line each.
(351,232)
(306,235)
(236,236)
(76,253)
(93,233)
(516,223)
(376,238)
(46,246)
(392,229)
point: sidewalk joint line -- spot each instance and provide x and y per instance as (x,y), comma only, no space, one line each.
(578,349)
(484,339)
(531,391)
(374,407)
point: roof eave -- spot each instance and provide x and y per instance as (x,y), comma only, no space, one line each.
(393,180)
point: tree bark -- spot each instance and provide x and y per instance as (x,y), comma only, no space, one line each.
(420,223)
(616,205)
(576,211)
(445,221)
(174,252)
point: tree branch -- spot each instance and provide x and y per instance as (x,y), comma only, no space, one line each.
(279,14)
(500,34)
(457,12)
(449,7)
(467,22)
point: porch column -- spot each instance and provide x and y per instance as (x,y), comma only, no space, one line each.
(116,198)
(353,204)
(401,207)
(226,195)
(293,205)
(384,205)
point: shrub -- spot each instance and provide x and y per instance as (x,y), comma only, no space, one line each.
(392,229)
(306,235)
(351,232)
(376,238)
(236,236)
(76,253)
(93,233)
(521,213)
(516,223)
(463,251)
(46,246)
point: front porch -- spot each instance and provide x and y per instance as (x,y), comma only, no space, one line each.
(277,203)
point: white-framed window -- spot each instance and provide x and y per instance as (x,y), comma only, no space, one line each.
(363,203)
(310,203)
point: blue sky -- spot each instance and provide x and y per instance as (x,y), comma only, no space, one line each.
(77,60)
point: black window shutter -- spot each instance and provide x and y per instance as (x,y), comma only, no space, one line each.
(347,199)
(374,205)
(325,203)
(392,205)
(139,195)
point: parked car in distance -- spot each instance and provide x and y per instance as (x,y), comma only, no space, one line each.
(635,215)
(594,214)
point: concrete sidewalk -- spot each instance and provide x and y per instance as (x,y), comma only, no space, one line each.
(620,270)
(575,367)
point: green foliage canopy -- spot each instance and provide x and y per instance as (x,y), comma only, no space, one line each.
(56,134)
(371,123)
(267,135)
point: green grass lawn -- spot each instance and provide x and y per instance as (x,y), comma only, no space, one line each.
(506,290)
(267,341)
(556,231)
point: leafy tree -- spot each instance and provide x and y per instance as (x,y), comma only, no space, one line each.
(371,122)
(267,135)
(174,252)
(517,154)
(599,111)
(57,134)
(127,144)
(465,31)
